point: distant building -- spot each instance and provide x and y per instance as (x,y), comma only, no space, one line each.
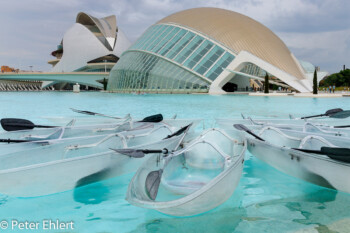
(90,45)
(208,50)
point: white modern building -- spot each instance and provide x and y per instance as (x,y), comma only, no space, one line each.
(90,45)
(204,49)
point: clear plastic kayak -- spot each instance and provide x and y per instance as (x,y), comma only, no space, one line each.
(293,139)
(69,164)
(327,122)
(193,180)
(306,159)
(306,127)
(86,130)
(135,136)
(93,120)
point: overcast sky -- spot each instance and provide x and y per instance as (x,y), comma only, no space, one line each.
(317,31)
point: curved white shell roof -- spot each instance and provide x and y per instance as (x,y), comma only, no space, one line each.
(239,33)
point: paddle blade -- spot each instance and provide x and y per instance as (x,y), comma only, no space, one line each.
(152,183)
(138,153)
(244,128)
(341,154)
(153,119)
(333,111)
(14,124)
(341,115)
(130,152)
(83,111)
(241,127)
(180,131)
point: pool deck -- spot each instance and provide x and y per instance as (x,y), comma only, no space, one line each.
(306,95)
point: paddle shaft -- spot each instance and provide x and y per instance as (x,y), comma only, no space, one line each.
(254,135)
(341,126)
(320,115)
(29,126)
(310,151)
(153,151)
(14,141)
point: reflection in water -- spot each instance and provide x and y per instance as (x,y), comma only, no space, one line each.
(91,194)
(87,191)
(225,220)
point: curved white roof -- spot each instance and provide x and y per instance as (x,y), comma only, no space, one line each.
(107,26)
(239,33)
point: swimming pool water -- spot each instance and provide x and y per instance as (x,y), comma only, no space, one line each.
(266,200)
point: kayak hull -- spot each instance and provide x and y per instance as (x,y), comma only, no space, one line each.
(65,174)
(316,169)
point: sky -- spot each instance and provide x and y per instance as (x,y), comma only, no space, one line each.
(317,31)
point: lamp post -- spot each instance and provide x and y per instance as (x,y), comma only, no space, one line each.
(105,65)
(31,68)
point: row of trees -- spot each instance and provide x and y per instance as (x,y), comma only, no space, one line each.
(341,79)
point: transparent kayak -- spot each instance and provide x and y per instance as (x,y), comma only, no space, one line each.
(73,163)
(306,127)
(136,136)
(309,165)
(87,130)
(195,179)
(83,120)
(295,122)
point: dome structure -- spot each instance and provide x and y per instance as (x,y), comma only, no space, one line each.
(201,50)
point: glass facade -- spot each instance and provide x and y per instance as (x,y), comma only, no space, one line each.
(161,60)
(146,72)
(253,70)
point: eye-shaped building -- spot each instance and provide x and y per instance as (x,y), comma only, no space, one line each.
(201,50)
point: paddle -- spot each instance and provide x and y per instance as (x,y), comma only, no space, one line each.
(244,128)
(14,124)
(93,113)
(329,113)
(153,119)
(179,132)
(336,153)
(138,153)
(13,141)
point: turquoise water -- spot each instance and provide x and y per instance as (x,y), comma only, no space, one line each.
(265,200)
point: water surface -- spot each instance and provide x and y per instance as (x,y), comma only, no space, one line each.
(265,200)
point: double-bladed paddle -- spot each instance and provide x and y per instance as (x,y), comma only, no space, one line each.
(153,118)
(14,124)
(333,113)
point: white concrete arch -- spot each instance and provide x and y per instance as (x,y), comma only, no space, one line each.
(244,57)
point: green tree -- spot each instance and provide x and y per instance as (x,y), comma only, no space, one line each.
(266,86)
(341,79)
(105,82)
(315,83)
